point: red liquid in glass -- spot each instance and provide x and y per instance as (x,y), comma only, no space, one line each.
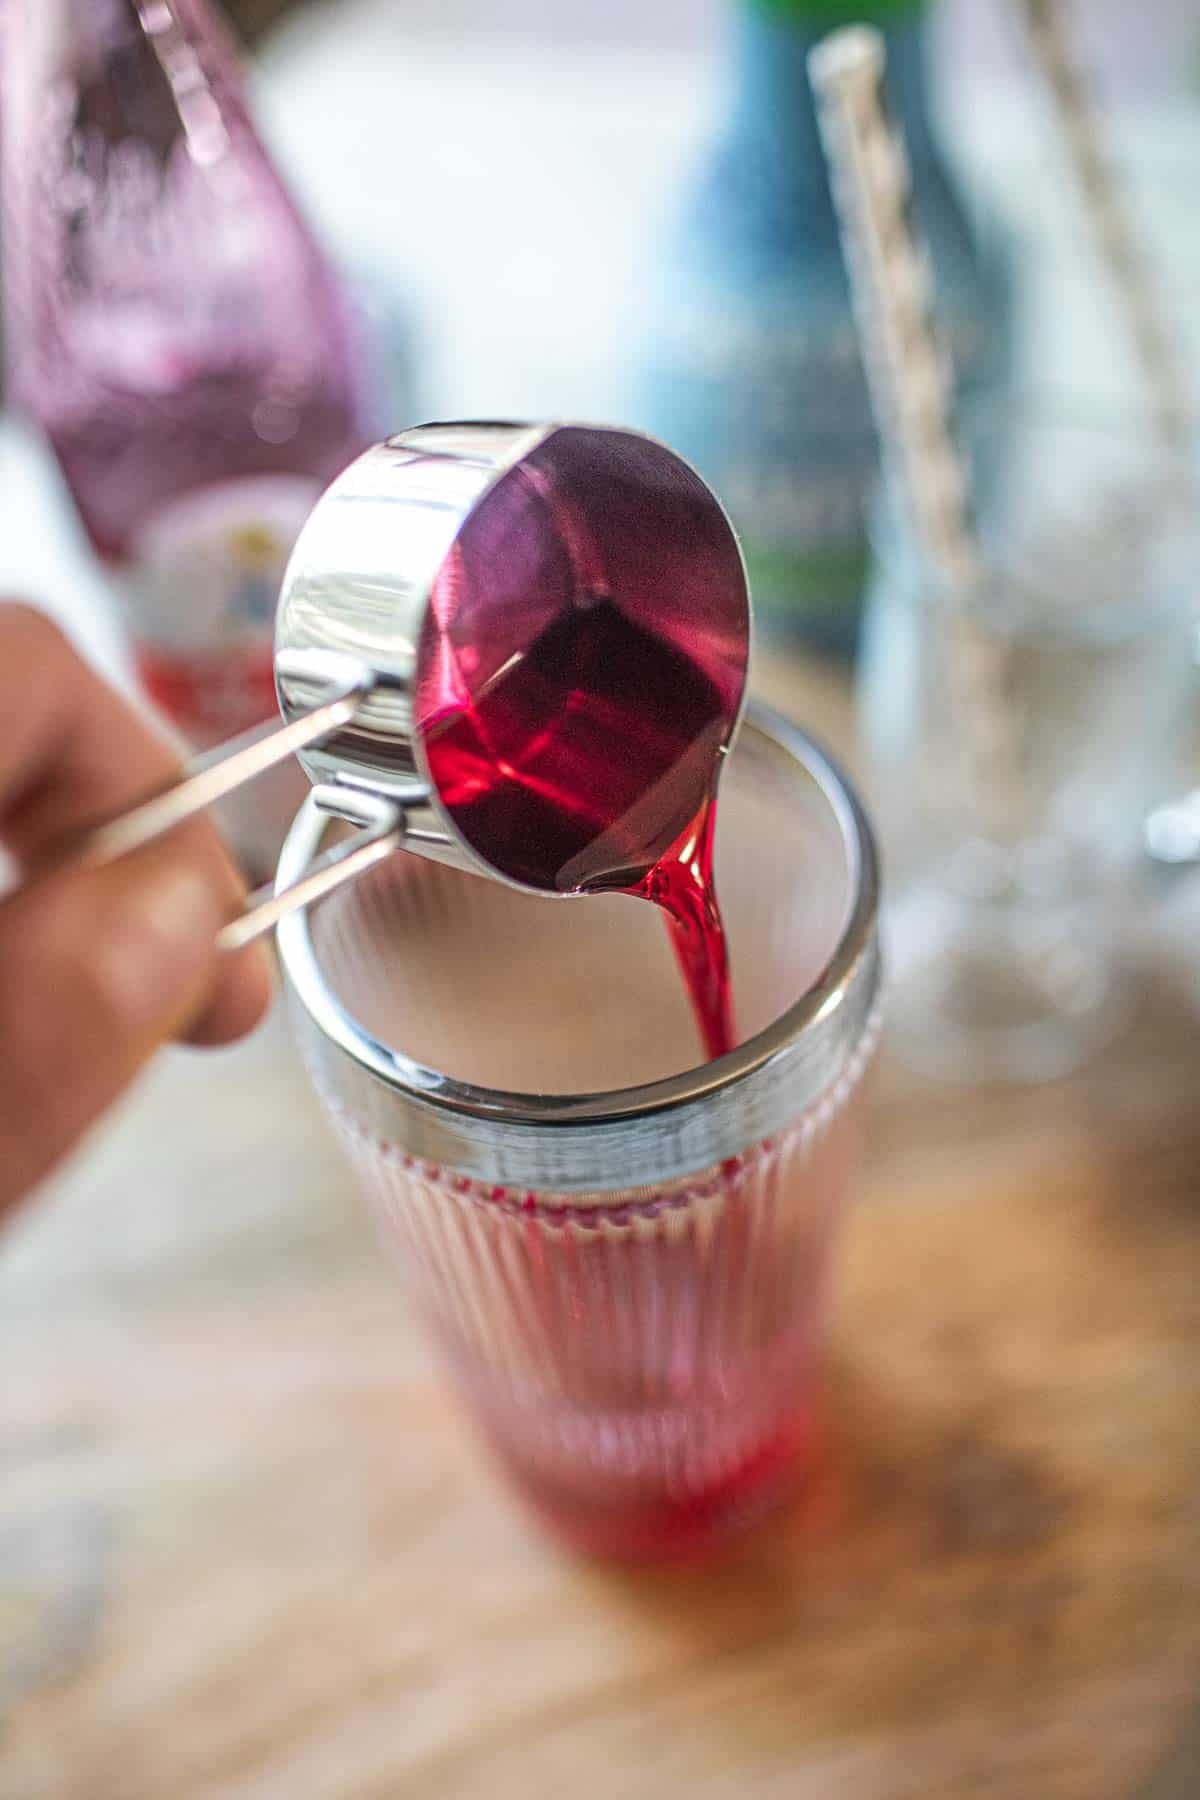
(574,767)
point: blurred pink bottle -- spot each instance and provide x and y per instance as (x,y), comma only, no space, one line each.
(177,334)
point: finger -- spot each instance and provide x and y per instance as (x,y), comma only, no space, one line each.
(243,981)
(97,967)
(72,752)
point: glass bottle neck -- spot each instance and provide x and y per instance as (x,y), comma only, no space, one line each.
(773,113)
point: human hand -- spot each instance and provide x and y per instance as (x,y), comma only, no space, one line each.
(98,965)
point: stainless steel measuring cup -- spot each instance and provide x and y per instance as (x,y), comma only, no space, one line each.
(423,576)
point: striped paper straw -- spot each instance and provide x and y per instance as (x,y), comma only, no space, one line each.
(910,386)
(1112,225)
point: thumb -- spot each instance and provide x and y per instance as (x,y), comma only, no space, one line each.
(97,967)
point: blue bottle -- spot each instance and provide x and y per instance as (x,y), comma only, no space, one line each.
(751,369)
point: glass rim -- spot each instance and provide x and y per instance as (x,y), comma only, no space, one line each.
(835,1006)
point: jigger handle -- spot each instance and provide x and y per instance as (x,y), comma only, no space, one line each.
(345,683)
(382,832)
(211,777)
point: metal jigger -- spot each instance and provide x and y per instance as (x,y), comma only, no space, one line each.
(367,619)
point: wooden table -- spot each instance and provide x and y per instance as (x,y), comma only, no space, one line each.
(249,1550)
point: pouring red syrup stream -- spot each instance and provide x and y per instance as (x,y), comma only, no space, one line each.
(681,883)
(571,767)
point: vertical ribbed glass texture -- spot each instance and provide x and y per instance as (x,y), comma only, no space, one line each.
(640,1356)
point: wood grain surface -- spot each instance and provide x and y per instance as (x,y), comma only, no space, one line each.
(248,1548)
